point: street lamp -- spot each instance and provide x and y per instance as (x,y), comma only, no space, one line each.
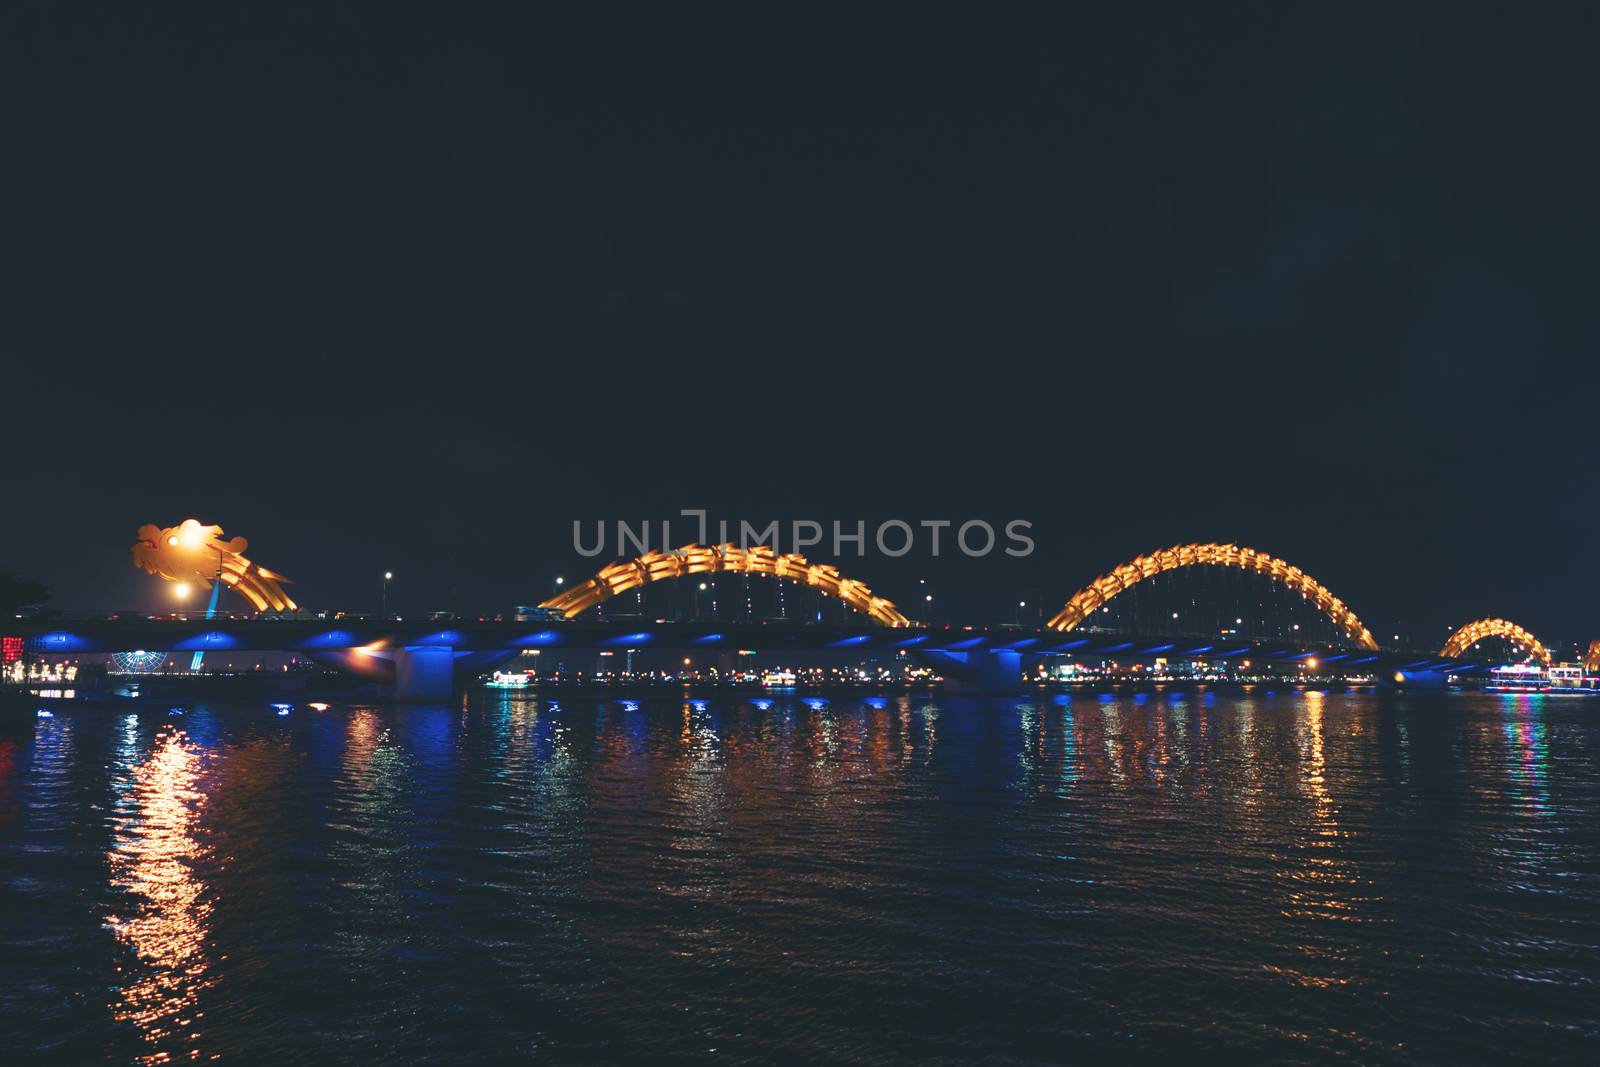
(927,611)
(1020,605)
(388,576)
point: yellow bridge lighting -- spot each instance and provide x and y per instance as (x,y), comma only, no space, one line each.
(729,558)
(1120,579)
(1473,632)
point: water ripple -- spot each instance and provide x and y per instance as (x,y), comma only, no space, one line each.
(1301,876)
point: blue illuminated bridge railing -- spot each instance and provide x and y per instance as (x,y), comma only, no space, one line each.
(83,636)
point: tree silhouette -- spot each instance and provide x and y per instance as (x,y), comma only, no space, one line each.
(17,592)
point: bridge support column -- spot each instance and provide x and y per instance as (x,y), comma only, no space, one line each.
(423,673)
(1392,679)
(985,672)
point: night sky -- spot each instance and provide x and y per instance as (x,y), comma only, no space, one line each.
(414,288)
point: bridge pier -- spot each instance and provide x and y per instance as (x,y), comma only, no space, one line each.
(417,673)
(981,672)
(424,673)
(1390,680)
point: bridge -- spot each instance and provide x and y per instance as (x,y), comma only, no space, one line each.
(424,660)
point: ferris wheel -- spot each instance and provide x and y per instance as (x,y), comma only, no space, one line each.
(139,662)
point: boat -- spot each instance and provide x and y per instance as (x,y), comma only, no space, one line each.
(1573,678)
(1518,678)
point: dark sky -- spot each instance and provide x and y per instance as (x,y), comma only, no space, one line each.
(415,287)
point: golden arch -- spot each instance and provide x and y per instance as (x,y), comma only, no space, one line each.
(718,559)
(1085,602)
(1473,632)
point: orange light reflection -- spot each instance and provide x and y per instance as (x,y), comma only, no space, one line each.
(153,864)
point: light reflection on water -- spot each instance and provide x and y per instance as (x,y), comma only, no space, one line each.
(1295,875)
(1529,771)
(165,909)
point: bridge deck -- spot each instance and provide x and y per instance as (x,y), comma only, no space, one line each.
(268,634)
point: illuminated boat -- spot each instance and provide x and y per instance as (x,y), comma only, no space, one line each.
(1573,678)
(1518,678)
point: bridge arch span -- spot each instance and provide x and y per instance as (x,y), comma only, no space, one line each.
(624,576)
(1476,631)
(1092,596)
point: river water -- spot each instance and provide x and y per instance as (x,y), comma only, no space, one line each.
(1303,876)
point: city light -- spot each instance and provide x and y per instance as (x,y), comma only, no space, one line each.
(182,590)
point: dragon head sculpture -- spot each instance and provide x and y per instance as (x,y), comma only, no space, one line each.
(194,553)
